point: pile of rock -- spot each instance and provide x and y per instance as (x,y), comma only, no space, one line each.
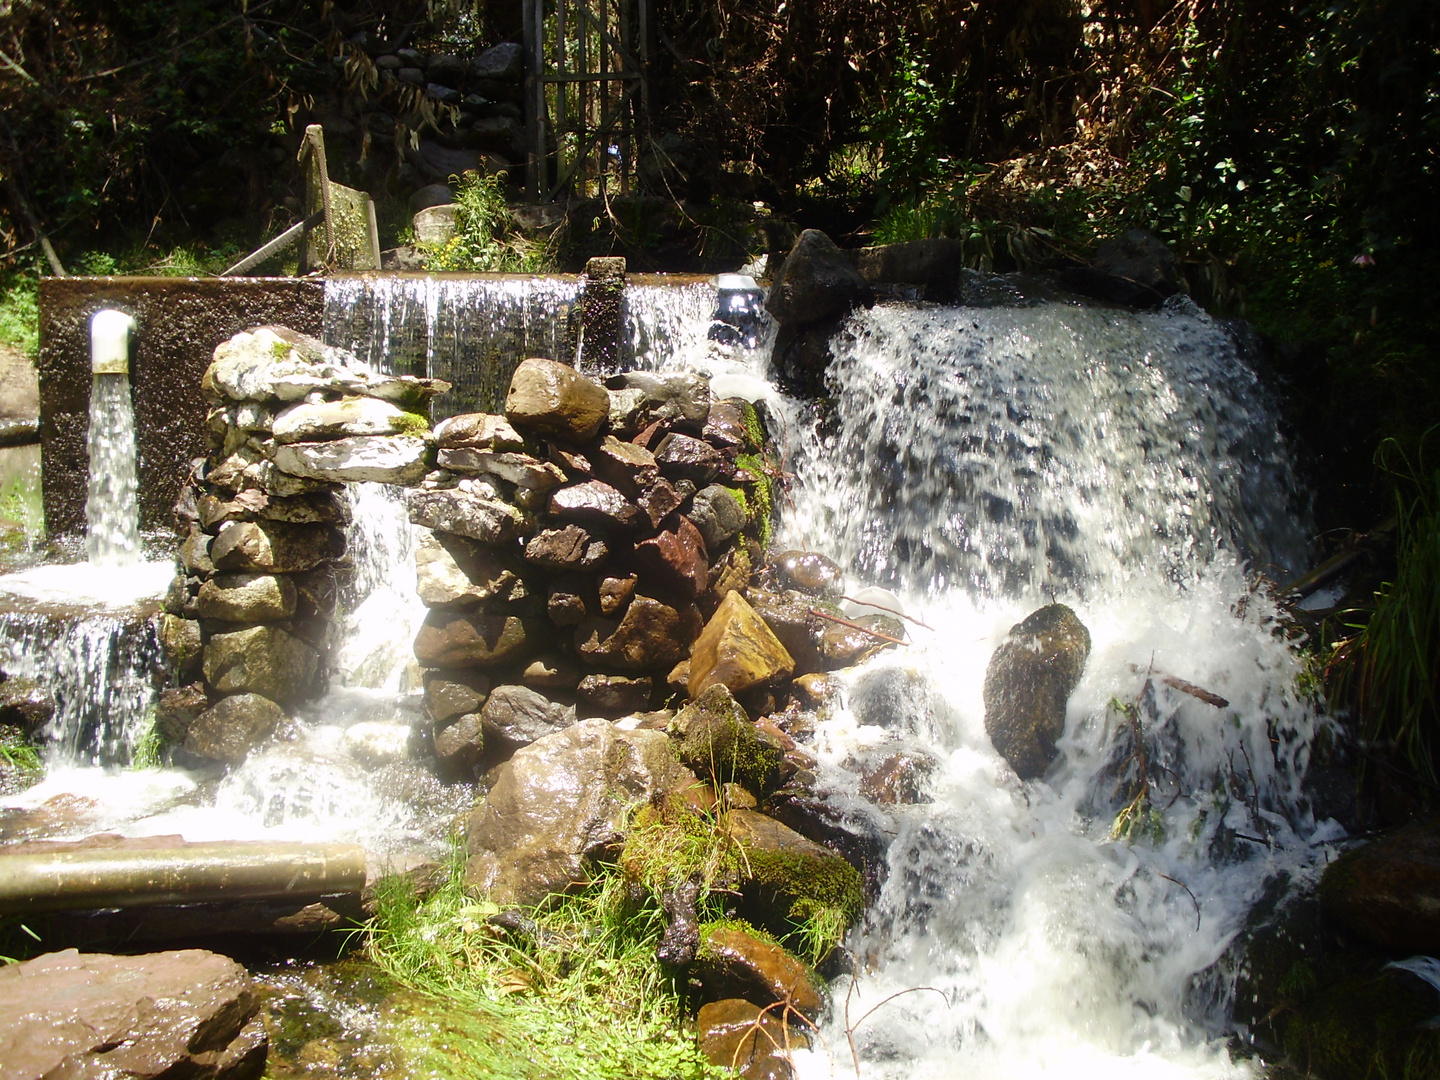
(293,419)
(483,128)
(576,546)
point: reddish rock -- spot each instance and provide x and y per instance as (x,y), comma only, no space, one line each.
(594,504)
(659,501)
(900,778)
(652,636)
(675,561)
(735,1034)
(188,1013)
(467,639)
(732,963)
(615,593)
(682,458)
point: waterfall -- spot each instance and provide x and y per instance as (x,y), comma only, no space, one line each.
(112,507)
(981,462)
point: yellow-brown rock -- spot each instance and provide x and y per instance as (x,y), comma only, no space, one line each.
(737,648)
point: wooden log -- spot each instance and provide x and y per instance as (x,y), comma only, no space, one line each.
(73,877)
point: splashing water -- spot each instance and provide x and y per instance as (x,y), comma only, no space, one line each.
(982,462)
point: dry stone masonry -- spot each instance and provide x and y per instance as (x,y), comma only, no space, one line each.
(262,519)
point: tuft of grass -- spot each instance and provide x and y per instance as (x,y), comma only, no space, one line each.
(1388,671)
(574,992)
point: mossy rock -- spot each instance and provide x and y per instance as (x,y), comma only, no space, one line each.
(736,960)
(718,741)
(787,881)
(1333,1011)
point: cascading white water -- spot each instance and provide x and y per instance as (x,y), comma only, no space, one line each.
(981,462)
(112,506)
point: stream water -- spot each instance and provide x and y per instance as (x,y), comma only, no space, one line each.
(977,462)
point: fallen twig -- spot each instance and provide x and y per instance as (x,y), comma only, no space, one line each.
(857,626)
(897,614)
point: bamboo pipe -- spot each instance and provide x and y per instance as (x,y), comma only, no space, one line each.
(121,877)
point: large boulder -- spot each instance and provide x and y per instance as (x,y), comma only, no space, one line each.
(817,281)
(480,516)
(934,262)
(554,401)
(1388,891)
(457,639)
(454,570)
(247,598)
(718,741)
(1029,680)
(231,728)
(265,660)
(384,459)
(738,649)
(559,803)
(650,636)
(1142,257)
(274,547)
(188,1013)
(308,421)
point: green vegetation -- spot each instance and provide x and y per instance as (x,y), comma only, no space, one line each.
(573,990)
(1388,670)
(486,236)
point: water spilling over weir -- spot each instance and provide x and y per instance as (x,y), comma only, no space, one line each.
(979,462)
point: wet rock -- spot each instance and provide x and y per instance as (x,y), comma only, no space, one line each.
(624,466)
(681,457)
(176,710)
(1387,892)
(615,693)
(733,963)
(787,879)
(275,547)
(515,716)
(559,803)
(449,694)
(262,660)
(25,703)
(1027,683)
(248,366)
(808,572)
(567,548)
(522,470)
(935,263)
(454,570)
(247,598)
(670,400)
(486,518)
(459,747)
(817,281)
(565,606)
(234,726)
(307,422)
(674,561)
(734,1034)
(737,648)
(718,741)
(900,778)
(651,636)
(385,459)
(458,639)
(659,501)
(551,671)
(732,424)
(790,615)
(815,811)
(194,553)
(482,431)
(844,646)
(718,514)
(174,1014)
(554,401)
(732,572)
(626,406)
(817,688)
(594,504)
(615,593)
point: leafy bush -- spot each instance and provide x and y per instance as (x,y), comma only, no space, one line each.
(486,236)
(1388,671)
